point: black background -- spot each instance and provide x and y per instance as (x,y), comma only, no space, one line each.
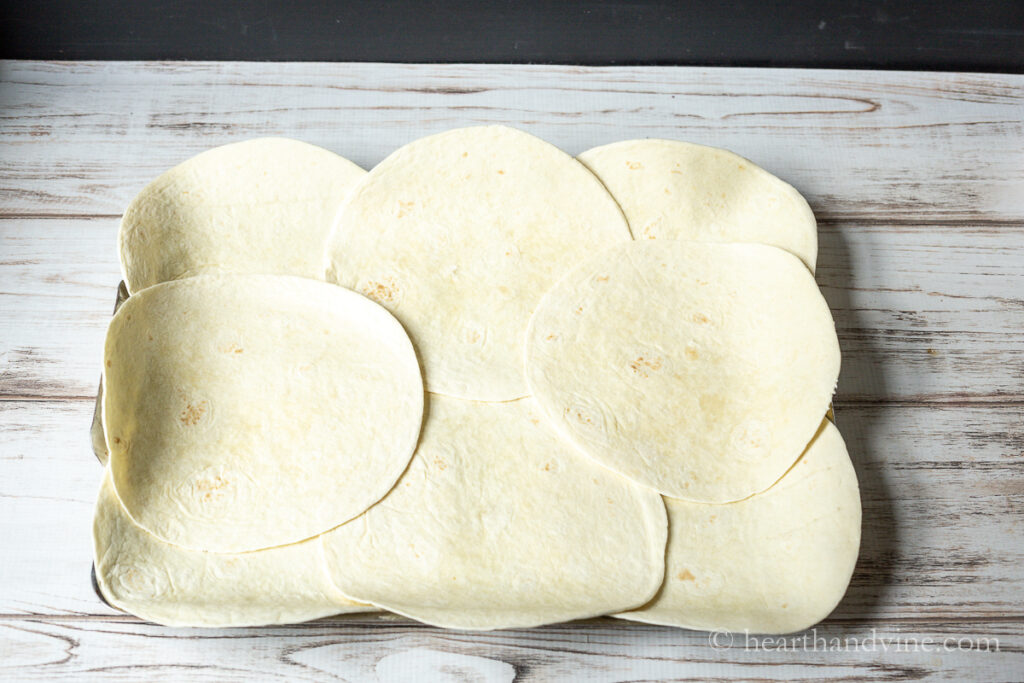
(963,35)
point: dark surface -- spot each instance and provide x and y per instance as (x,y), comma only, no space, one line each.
(962,35)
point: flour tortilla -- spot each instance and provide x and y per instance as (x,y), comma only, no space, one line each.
(168,585)
(701,370)
(775,563)
(678,190)
(260,206)
(459,235)
(498,523)
(250,411)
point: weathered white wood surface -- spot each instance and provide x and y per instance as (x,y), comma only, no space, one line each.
(918,180)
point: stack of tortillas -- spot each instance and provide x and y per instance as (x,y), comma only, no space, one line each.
(525,389)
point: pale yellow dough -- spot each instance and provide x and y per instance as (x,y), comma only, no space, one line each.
(459,235)
(173,586)
(250,411)
(679,190)
(498,524)
(259,206)
(775,563)
(701,370)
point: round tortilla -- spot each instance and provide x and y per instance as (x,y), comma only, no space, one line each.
(498,523)
(259,206)
(250,411)
(778,562)
(459,235)
(701,370)
(168,585)
(678,190)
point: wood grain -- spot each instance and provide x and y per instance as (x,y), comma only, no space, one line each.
(882,144)
(73,649)
(918,183)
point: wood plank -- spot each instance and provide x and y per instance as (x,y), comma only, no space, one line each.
(595,651)
(924,312)
(83,138)
(942,492)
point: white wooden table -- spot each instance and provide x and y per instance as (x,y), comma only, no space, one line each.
(918,184)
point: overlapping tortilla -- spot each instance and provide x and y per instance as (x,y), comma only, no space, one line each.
(259,206)
(169,585)
(459,235)
(679,190)
(701,370)
(498,523)
(777,562)
(250,411)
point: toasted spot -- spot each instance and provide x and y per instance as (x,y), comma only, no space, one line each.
(192,413)
(381,291)
(500,172)
(117,440)
(701,318)
(634,165)
(932,352)
(465,154)
(691,352)
(685,575)
(441,464)
(109,364)
(209,488)
(404,208)
(642,365)
(230,348)
(579,310)
(602,278)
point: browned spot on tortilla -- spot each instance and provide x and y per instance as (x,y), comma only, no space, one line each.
(712,518)
(231,348)
(109,363)
(701,318)
(691,353)
(685,575)
(932,352)
(641,365)
(634,165)
(381,291)
(500,172)
(785,605)
(547,467)
(677,172)
(551,337)
(404,208)
(602,278)
(465,154)
(193,413)
(582,419)
(441,464)
(117,439)
(534,420)
(211,487)
(668,191)
(579,309)
(701,282)
(150,337)
(472,336)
